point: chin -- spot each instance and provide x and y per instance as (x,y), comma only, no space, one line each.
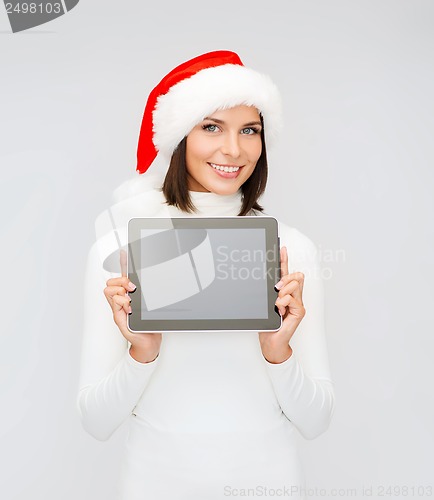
(227,190)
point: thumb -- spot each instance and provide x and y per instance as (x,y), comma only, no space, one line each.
(123,260)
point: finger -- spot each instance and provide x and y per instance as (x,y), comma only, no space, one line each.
(282,303)
(288,278)
(123,281)
(292,288)
(110,291)
(123,259)
(120,302)
(296,308)
(301,281)
(283,261)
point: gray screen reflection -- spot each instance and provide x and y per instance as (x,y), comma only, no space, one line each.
(203,274)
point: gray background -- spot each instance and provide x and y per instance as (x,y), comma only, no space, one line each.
(353,171)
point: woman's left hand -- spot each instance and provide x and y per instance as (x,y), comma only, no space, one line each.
(275,345)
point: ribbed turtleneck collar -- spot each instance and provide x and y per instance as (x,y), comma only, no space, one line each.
(208,203)
(141,196)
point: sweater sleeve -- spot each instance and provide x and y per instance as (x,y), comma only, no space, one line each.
(111,381)
(302,383)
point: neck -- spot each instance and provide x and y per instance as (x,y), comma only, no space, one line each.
(209,203)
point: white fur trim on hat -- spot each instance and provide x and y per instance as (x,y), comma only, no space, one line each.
(189,101)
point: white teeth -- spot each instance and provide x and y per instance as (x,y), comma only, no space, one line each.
(224,169)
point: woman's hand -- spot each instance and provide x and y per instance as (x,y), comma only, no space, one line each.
(275,345)
(144,346)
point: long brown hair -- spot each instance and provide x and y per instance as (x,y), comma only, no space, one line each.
(175,185)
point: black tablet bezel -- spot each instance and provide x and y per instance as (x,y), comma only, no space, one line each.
(271,323)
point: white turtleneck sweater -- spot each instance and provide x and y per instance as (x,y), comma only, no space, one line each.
(209,417)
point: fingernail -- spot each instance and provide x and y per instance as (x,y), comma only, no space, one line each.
(131,286)
(130,310)
(279,285)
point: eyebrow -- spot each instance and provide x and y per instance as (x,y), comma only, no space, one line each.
(222,122)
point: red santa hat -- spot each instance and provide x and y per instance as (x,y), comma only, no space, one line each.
(196,89)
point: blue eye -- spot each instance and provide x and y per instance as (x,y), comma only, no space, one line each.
(210,127)
(249,131)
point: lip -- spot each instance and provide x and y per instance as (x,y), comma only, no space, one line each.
(226,175)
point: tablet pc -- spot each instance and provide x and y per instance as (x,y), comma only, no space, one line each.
(203,273)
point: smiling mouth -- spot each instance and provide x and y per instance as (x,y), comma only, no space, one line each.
(225,168)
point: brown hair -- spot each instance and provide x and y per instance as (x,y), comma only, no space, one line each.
(175,185)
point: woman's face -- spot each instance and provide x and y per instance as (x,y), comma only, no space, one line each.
(229,139)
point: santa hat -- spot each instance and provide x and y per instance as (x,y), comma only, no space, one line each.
(196,89)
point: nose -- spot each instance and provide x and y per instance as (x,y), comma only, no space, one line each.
(231,145)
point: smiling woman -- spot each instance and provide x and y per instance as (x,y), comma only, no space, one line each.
(209,409)
(229,144)
(224,146)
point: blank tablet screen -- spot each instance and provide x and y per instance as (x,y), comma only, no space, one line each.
(213,273)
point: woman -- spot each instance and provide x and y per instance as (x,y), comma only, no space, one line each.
(210,414)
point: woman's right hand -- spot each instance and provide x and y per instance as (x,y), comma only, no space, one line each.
(144,346)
